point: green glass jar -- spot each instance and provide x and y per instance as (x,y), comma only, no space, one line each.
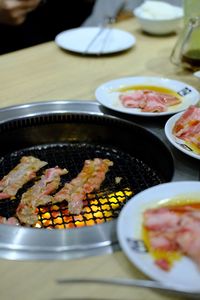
(186,52)
(191,9)
(191,54)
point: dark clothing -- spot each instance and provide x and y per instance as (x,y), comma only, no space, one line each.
(44,23)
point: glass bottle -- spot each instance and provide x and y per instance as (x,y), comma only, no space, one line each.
(191,54)
(187,49)
(191,9)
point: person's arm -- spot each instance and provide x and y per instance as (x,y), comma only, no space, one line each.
(14,12)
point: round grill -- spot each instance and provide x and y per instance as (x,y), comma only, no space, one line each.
(66,133)
(126,177)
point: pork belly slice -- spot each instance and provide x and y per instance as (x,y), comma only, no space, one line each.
(163,264)
(188,237)
(170,100)
(191,135)
(154,103)
(177,230)
(21,174)
(39,194)
(133,99)
(159,102)
(193,141)
(163,240)
(187,128)
(188,122)
(148,100)
(160,219)
(89,179)
(162,225)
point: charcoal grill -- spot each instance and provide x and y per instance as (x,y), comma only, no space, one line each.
(66,134)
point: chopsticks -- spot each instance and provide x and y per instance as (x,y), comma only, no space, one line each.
(99,32)
(108,20)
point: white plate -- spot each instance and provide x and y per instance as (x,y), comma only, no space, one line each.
(184,273)
(178,143)
(108,95)
(109,41)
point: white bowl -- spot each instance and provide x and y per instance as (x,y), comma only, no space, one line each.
(159,22)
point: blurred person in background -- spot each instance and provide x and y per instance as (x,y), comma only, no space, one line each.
(24,23)
(104,8)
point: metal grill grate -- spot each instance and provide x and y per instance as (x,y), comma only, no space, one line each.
(97,209)
(128,176)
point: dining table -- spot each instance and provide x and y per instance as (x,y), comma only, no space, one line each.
(46,72)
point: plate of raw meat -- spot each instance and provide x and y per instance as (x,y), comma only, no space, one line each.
(183,131)
(147,96)
(159,231)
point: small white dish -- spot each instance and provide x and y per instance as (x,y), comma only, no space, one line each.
(184,274)
(109,41)
(108,93)
(176,142)
(159,17)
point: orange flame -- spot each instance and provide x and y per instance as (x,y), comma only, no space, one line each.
(101,209)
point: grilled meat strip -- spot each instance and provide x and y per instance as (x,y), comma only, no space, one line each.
(21,174)
(88,180)
(39,194)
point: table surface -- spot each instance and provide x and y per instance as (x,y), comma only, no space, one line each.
(45,72)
